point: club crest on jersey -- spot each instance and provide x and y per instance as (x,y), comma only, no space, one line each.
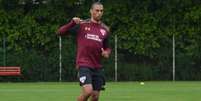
(87,28)
(103,32)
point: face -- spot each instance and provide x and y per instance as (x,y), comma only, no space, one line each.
(96,12)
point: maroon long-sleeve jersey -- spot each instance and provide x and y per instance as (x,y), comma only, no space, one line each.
(91,37)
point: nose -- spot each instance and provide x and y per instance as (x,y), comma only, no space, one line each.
(99,12)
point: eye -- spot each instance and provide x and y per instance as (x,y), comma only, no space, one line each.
(99,10)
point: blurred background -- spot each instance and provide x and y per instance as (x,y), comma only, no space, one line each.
(150,39)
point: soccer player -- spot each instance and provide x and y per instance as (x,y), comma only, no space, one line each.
(92,45)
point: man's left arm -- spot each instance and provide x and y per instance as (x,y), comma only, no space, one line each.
(106,51)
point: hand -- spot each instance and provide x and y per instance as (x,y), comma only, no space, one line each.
(105,53)
(77,20)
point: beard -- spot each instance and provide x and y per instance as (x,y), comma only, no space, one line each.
(98,18)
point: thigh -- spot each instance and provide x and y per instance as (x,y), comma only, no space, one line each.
(84,76)
(87,89)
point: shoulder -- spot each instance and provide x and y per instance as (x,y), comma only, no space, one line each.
(105,27)
(85,21)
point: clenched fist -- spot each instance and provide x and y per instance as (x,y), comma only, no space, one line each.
(105,53)
(77,20)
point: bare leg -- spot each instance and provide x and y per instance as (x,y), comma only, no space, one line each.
(95,95)
(86,92)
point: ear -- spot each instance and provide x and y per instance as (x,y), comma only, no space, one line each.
(90,11)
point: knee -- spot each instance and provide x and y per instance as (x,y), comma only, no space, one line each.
(94,96)
(88,92)
(85,95)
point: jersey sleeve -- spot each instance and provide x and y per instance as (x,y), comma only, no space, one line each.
(106,45)
(70,27)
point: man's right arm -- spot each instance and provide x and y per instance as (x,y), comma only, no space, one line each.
(65,28)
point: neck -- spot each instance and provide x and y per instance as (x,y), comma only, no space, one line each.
(95,21)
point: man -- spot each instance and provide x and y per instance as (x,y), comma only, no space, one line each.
(92,37)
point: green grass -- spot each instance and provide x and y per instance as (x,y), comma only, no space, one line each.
(122,91)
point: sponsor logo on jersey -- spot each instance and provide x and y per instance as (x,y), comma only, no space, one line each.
(93,37)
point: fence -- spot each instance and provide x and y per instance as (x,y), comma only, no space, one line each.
(122,66)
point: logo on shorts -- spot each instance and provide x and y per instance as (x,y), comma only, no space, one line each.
(82,79)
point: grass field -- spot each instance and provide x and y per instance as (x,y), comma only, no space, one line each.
(121,91)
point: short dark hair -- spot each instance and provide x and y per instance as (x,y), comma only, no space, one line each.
(95,3)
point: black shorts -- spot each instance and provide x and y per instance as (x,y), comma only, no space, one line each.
(92,76)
